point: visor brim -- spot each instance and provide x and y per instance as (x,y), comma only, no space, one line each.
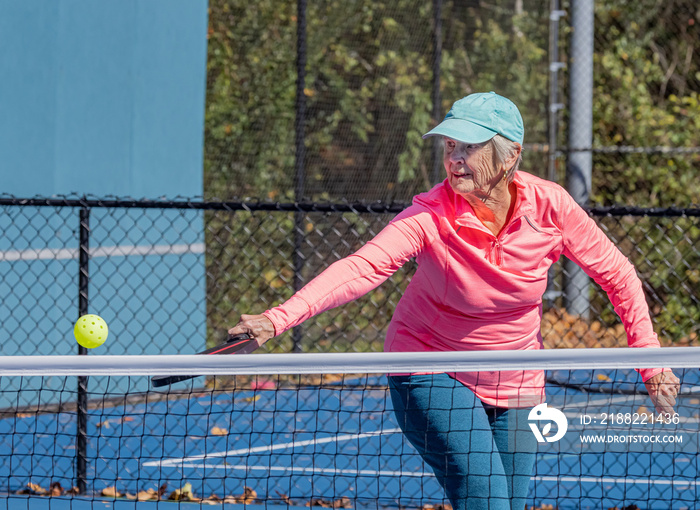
(462,131)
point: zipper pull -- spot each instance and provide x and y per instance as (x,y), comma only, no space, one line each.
(495,256)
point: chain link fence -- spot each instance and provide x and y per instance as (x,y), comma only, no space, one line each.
(608,93)
(378,76)
(346,128)
(172,277)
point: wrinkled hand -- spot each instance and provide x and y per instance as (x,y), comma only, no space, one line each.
(663,389)
(257,326)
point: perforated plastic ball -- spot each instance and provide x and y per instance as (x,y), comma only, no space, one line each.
(90,331)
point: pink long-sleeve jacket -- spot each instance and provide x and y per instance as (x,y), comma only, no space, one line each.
(474,290)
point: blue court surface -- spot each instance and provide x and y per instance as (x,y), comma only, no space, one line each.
(310,442)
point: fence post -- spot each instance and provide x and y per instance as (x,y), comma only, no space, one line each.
(578,174)
(300,154)
(554,105)
(553,283)
(437,61)
(81,410)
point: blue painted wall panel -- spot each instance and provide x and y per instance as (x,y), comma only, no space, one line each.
(104,98)
(28,96)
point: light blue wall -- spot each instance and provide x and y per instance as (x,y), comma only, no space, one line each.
(102,97)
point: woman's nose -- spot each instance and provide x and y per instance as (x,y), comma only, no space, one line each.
(457,156)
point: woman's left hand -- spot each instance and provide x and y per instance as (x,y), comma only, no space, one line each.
(663,389)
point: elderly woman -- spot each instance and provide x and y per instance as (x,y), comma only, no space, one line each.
(484,239)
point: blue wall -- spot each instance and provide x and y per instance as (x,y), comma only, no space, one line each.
(102,97)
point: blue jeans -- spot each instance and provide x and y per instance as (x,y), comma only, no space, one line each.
(465,442)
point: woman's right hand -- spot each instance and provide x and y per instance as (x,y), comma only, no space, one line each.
(257,326)
(663,389)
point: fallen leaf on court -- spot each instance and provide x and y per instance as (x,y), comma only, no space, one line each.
(32,488)
(127,418)
(104,424)
(147,495)
(284,498)
(248,497)
(23,415)
(324,503)
(212,500)
(695,401)
(55,489)
(254,398)
(439,506)
(183,494)
(36,489)
(218,431)
(73,491)
(603,377)
(111,492)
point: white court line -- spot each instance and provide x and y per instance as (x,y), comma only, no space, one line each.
(296,470)
(259,449)
(106,251)
(626,481)
(187,462)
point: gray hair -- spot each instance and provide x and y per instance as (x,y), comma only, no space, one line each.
(504,149)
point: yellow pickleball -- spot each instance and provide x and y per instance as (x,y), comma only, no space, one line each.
(90,331)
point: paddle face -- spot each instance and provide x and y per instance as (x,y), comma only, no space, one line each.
(237,344)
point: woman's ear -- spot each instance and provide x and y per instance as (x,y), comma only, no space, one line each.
(514,155)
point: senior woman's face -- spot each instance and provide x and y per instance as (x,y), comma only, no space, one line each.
(470,167)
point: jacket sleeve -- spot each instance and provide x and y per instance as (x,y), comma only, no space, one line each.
(349,278)
(588,246)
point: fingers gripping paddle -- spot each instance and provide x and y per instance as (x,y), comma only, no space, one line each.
(236,344)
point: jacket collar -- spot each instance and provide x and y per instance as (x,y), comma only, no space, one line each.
(464,213)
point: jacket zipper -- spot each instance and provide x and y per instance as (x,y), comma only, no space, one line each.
(497,246)
(495,255)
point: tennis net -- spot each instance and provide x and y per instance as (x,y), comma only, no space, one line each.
(320,430)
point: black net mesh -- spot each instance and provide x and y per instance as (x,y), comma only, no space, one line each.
(349,440)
